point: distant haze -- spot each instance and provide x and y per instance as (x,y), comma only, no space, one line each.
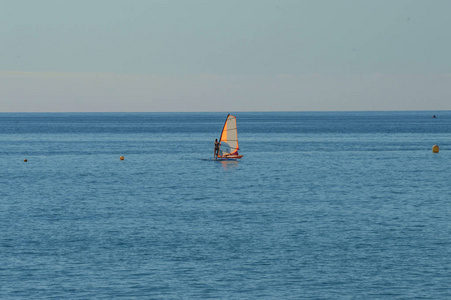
(255,55)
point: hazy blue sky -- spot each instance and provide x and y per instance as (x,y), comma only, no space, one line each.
(255,55)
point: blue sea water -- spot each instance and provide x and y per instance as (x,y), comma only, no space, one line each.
(333,205)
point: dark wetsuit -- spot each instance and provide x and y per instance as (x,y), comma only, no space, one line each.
(216,148)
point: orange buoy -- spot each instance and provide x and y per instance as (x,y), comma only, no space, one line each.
(435,149)
(121,158)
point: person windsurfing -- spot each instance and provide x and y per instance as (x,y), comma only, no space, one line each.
(216,148)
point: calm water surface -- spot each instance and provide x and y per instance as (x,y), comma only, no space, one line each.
(322,206)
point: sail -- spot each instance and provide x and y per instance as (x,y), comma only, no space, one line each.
(229,138)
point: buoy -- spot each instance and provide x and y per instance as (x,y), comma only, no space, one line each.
(121,158)
(435,149)
(25,160)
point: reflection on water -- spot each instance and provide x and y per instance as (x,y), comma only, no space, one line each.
(229,164)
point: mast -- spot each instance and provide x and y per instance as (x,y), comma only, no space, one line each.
(222,131)
(215,155)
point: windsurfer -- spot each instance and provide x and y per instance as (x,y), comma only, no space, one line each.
(217,147)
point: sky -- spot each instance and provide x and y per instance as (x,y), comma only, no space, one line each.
(211,55)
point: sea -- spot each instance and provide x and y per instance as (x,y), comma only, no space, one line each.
(323,205)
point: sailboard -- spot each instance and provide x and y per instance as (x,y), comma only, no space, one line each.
(228,141)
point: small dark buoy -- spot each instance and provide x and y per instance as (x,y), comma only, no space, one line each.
(121,158)
(25,160)
(434,116)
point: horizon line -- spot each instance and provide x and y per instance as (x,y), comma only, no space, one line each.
(233,111)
